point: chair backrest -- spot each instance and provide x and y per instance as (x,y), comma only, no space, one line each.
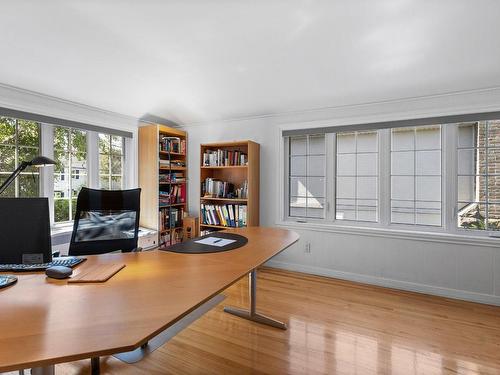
(105,221)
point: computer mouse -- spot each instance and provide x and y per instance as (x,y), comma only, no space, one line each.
(58,272)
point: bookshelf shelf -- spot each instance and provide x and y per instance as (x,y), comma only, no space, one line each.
(173,168)
(162,143)
(242,178)
(225,167)
(224,199)
(171,153)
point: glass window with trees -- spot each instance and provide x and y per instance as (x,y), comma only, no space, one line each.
(19,141)
(70,171)
(111,160)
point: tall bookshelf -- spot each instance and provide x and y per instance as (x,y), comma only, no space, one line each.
(163,179)
(228,166)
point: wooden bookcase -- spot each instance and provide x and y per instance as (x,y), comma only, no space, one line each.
(155,165)
(236,175)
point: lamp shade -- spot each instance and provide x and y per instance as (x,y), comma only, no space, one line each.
(42,161)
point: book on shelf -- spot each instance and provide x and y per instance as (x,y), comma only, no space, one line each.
(170,217)
(175,194)
(172,177)
(173,144)
(215,188)
(225,215)
(171,238)
(172,163)
(224,158)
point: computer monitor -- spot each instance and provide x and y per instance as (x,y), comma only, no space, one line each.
(25,231)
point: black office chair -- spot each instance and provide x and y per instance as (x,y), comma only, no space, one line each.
(105,221)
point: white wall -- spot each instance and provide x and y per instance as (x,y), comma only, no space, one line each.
(436,266)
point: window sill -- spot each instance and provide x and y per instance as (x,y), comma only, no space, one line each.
(457,239)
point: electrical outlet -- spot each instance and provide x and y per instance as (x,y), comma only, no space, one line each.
(307,249)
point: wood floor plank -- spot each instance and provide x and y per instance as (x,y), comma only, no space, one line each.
(335,327)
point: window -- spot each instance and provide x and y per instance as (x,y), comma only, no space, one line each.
(478,157)
(430,178)
(416,175)
(307,183)
(19,141)
(70,172)
(111,162)
(357,176)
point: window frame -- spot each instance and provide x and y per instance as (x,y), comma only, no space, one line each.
(447,232)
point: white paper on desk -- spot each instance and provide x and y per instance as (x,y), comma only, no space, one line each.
(215,241)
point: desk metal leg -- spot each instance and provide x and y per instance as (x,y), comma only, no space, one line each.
(253,315)
(48,370)
(95,366)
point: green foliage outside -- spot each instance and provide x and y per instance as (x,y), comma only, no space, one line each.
(19,141)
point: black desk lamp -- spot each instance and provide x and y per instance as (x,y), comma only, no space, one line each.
(39,161)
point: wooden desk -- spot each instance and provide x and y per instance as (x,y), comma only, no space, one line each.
(45,321)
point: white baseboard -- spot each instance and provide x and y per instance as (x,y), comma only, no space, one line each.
(389,283)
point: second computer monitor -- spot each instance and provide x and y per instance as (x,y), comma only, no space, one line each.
(25,231)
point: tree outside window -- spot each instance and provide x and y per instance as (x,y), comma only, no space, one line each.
(110,162)
(19,141)
(70,172)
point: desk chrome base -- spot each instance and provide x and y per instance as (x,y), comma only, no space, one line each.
(253,315)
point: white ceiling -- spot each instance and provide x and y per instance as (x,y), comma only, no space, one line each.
(200,60)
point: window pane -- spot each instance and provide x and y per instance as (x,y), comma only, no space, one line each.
(298,165)
(104,182)
(61,210)
(7,130)
(403,139)
(357,176)
(116,145)
(316,166)
(472,216)
(19,141)
(493,217)
(416,175)
(28,133)
(478,175)
(103,164)
(346,143)
(298,145)
(116,182)
(307,176)
(29,185)
(70,172)
(317,145)
(7,158)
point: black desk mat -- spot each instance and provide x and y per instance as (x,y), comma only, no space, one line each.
(191,247)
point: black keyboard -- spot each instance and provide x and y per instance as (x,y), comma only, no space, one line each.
(62,261)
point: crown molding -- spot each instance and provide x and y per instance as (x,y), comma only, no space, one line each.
(448,103)
(34,102)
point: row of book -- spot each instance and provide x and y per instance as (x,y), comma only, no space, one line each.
(173,144)
(226,215)
(173,194)
(174,163)
(172,177)
(219,158)
(171,217)
(215,188)
(170,238)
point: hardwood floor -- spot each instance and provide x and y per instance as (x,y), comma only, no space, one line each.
(335,327)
